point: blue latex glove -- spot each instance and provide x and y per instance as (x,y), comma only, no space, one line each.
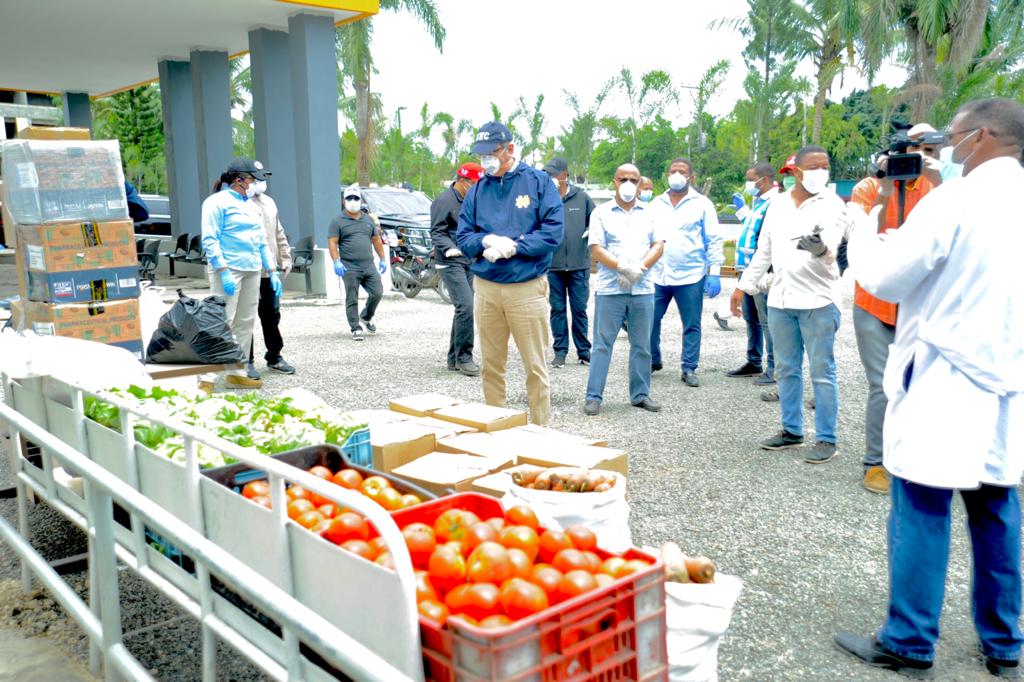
(228,283)
(712,286)
(275,284)
(737,201)
(382,266)
(339,269)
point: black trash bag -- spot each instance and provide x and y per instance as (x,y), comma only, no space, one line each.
(194,332)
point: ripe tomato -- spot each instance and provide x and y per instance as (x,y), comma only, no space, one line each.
(378,544)
(498,523)
(452,524)
(575,583)
(612,565)
(521,537)
(551,543)
(321,527)
(373,485)
(419,538)
(389,498)
(447,568)
(360,547)
(297,492)
(318,500)
(297,508)
(546,577)
(582,537)
(385,560)
(457,547)
(520,598)
(476,601)
(603,579)
(425,588)
(347,526)
(477,533)
(431,609)
(263,501)
(496,621)
(521,564)
(632,566)
(521,515)
(321,472)
(309,519)
(409,500)
(570,560)
(256,489)
(348,478)
(329,510)
(489,563)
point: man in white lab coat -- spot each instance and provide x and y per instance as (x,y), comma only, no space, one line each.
(955,384)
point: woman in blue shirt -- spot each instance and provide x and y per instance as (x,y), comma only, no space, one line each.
(236,250)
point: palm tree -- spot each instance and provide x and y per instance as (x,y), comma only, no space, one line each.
(709,84)
(535,123)
(577,141)
(353,46)
(646,102)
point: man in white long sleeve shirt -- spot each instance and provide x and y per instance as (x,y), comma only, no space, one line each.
(799,238)
(955,384)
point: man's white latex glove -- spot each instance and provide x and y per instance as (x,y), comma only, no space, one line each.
(631,271)
(504,245)
(452,253)
(624,283)
(492,254)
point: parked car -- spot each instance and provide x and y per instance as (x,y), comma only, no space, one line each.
(159,221)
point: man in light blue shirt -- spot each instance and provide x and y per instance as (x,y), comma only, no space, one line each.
(687,221)
(623,240)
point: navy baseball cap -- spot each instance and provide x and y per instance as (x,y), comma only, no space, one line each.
(556,165)
(250,166)
(490,136)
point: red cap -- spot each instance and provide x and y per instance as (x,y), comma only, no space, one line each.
(790,165)
(473,171)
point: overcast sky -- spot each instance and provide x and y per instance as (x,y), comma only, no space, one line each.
(497,51)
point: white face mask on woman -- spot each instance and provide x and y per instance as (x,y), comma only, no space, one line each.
(260,187)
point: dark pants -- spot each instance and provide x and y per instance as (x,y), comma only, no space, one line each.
(919,523)
(755,333)
(270,316)
(690,302)
(459,281)
(368,278)
(574,284)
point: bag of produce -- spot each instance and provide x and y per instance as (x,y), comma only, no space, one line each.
(696,616)
(194,332)
(603,508)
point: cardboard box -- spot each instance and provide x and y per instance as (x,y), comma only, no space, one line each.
(440,472)
(378,418)
(53,133)
(104,284)
(112,322)
(554,434)
(482,417)
(587,456)
(479,444)
(398,443)
(423,404)
(441,428)
(49,181)
(496,484)
(64,247)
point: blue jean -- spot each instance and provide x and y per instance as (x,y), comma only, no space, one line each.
(918,557)
(574,284)
(761,303)
(609,314)
(690,302)
(755,337)
(792,331)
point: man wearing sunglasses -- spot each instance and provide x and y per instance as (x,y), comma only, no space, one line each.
(353,239)
(955,384)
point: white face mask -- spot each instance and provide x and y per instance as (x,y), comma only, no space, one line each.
(646,195)
(948,168)
(627,192)
(750,187)
(555,181)
(250,191)
(353,205)
(815,181)
(491,163)
(260,186)
(678,182)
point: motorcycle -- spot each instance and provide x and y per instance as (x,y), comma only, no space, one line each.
(413,263)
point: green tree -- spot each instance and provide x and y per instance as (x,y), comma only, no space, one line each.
(534,118)
(696,141)
(354,43)
(647,101)
(134,118)
(577,141)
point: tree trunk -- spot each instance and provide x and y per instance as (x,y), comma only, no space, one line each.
(362,88)
(824,81)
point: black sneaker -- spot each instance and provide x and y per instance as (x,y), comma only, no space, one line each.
(281,366)
(357,335)
(690,379)
(1001,667)
(870,651)
(821,453)
(592,407)
(251,371)
(766,379)
(559,361)
(585,362)
(782,440)
(648,404)
(770,396)
(747,370)
(370,326)
(655,366)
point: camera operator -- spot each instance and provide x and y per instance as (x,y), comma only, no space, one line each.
(874,320)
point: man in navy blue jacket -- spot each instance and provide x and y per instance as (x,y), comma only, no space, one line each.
(511,222)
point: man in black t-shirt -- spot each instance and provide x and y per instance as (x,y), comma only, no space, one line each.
(352,241)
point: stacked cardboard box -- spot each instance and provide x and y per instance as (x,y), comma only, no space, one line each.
(64,202)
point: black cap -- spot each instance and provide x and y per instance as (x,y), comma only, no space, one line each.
(490,136)
(556,165)
(250,166)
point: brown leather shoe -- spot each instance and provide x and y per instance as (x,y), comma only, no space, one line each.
(876,480)
(239,381)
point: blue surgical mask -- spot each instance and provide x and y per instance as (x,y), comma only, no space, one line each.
(646,195)
(751,189)
(950,169)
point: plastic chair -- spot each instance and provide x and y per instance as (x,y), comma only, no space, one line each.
(149,259)
(179,253)
(302,260)
(195,251)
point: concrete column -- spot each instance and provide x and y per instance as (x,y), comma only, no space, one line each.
(315,97)
(273,121)
(77,109)
(211,96)
(180,146)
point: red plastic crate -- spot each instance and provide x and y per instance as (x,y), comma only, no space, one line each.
(613,633)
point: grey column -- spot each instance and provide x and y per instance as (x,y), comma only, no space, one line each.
(77,109)
(211,95)
(315,97)
(273,121)
(180,146)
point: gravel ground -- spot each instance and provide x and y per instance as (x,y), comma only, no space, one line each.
(808,541)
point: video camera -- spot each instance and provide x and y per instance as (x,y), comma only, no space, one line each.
(902,165)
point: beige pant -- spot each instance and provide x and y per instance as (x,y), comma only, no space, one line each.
(523,311)
(241,308)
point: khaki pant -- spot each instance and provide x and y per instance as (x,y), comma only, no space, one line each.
(240,309)
(521,310)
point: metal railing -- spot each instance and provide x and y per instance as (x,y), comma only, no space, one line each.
(101,619)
